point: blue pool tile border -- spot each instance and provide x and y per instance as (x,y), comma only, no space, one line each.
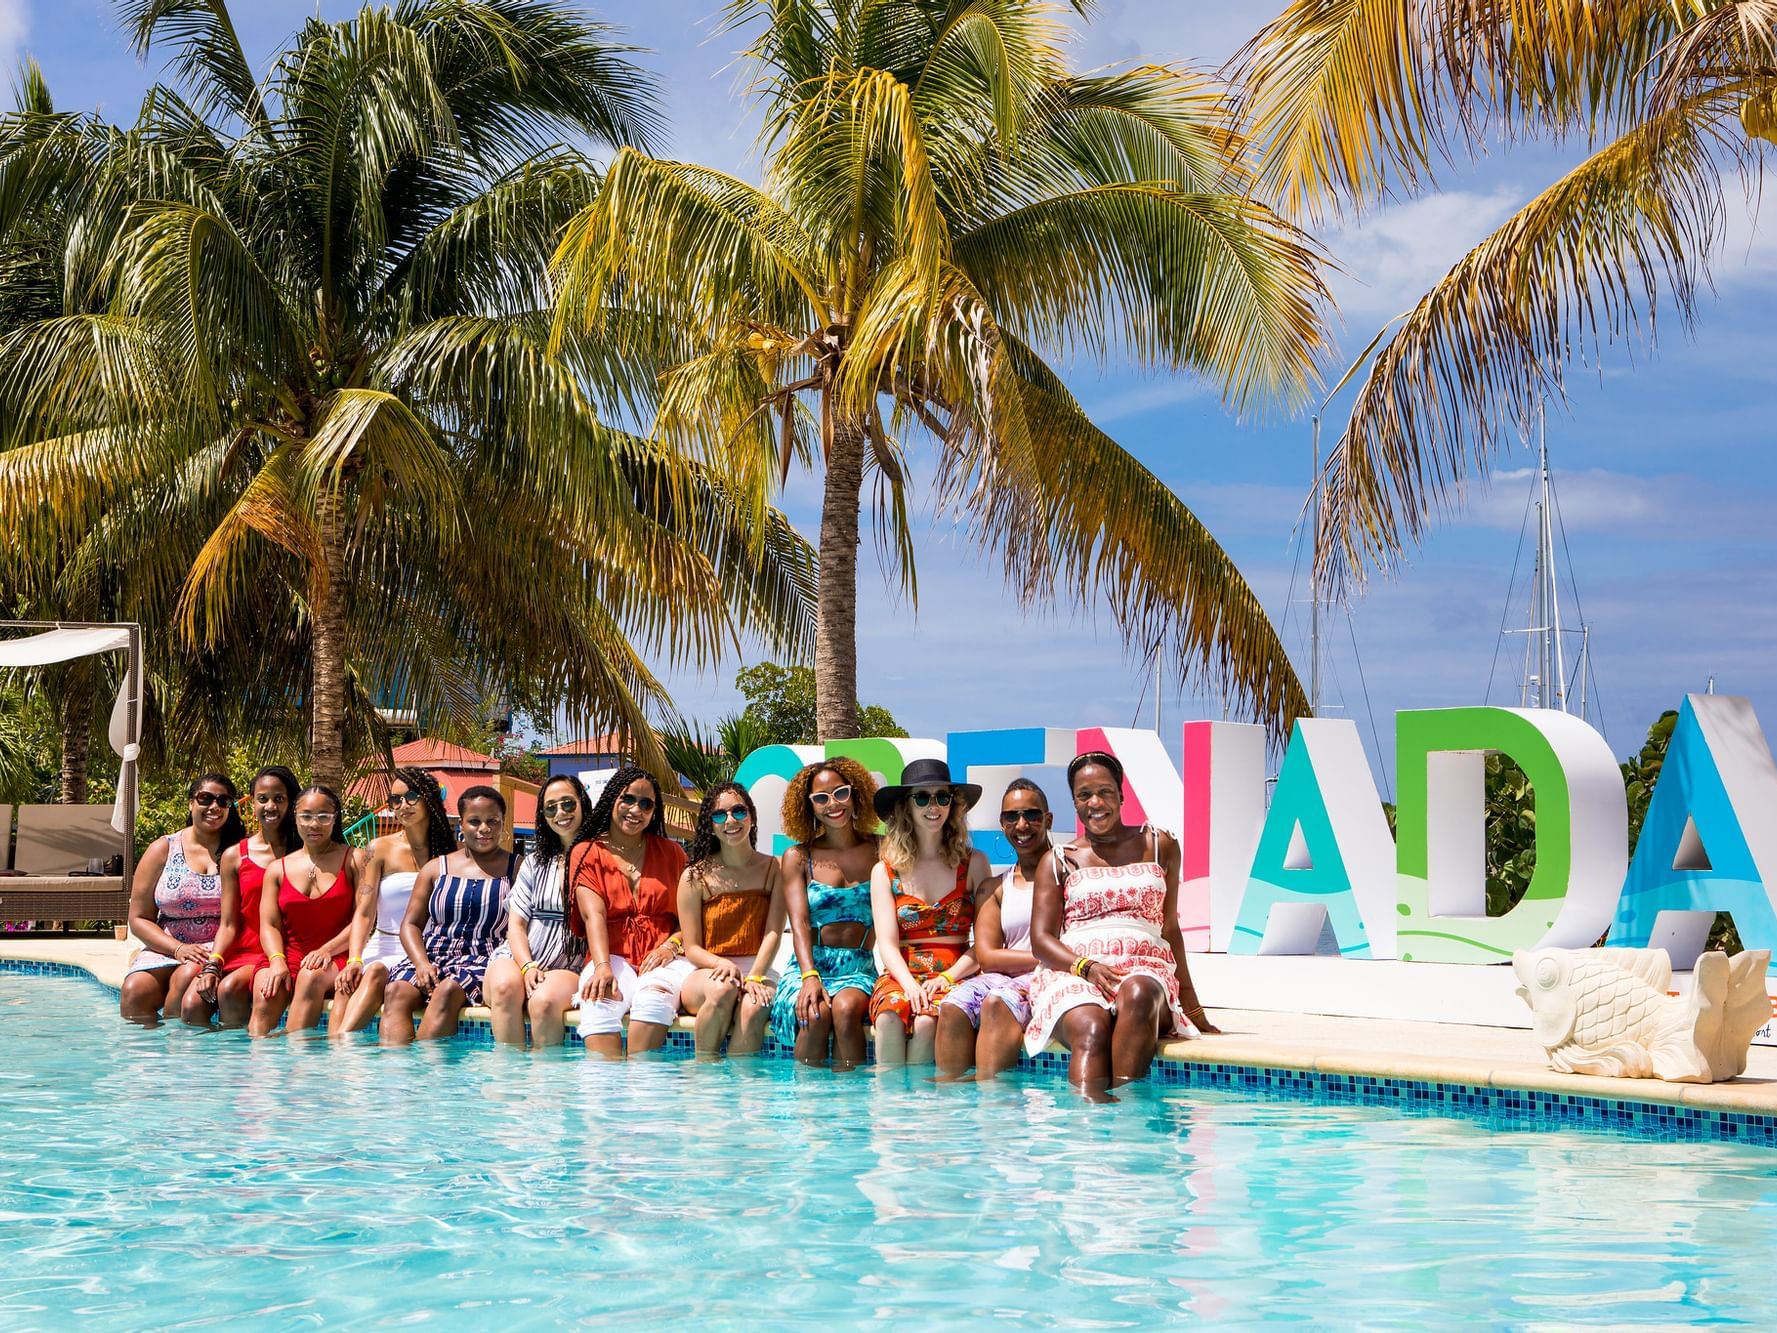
(1519,1108)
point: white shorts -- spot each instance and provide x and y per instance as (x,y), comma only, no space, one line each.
(605,1017)
(657,994)
(659,990)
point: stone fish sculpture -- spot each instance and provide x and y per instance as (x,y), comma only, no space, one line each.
(1607,1011)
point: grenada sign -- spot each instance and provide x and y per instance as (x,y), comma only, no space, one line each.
(1315,870)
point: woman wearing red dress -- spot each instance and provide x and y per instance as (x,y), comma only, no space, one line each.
(225,986)
(305,917)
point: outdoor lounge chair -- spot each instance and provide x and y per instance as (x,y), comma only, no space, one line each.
(54,841)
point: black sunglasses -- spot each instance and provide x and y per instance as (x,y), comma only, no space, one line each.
(737,813)
(924,798)
(566,806)
(405,798)
(1011,817)
(206,799)
(642,803)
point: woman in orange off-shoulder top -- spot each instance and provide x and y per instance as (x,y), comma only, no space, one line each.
(731,915)
(624,877)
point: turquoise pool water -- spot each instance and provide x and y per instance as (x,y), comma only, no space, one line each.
(186,1180)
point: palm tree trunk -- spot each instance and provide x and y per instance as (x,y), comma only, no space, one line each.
(77,732)
(328,606)
(836,621)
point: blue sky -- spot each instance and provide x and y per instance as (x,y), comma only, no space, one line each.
(1664,462)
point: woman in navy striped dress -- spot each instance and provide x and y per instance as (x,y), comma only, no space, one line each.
(455,919)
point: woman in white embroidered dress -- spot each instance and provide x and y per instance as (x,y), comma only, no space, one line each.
(1104,928)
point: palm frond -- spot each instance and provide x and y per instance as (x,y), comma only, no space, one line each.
(208,52)
(1588,258)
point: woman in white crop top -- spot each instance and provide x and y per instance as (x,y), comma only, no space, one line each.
(997,999)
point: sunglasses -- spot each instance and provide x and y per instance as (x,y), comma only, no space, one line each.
(738,813)
(924,798)
(313,817)
(1011,817)
(566,806)
(206,799)
(643,803)
(405,798)
(820,798)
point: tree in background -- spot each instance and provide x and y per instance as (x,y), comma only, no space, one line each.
(784,702)
(781,710)
(299,386)
(948,206)
(1357,102)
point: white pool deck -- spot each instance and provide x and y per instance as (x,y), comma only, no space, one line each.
(1451,1053)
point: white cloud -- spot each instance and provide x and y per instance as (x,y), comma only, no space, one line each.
(1393,256)
(15,25)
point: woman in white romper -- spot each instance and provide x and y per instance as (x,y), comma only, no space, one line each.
(394,864)
(997,999)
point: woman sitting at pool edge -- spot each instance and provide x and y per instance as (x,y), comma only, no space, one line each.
(731,917)
(922,899)
(176,902)
(391,869)
(305,917)
(625,885)
(997,999)
(1104,925)
(828,814)
(455,917)
(225,986)
(537,969)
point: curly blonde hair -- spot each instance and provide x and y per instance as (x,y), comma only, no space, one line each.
(799,820)
(900,844)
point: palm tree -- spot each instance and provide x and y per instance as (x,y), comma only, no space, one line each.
(1353,101)
(299,388)
(945,202)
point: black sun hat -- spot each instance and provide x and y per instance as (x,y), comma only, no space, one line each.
(924,773)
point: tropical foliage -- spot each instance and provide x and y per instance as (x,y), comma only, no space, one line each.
(781,700)
(294,406)
(1356,101)
(947,203)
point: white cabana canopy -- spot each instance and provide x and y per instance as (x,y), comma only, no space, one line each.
(64,643)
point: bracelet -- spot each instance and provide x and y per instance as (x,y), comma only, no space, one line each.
(215,957)
(678,946)
(278,956)
(1082,965)
(527,968)
(813,974)
(356,959)
(757,979)
(946,978)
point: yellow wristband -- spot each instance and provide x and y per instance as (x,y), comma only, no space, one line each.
(280,956)
(526,968)
(811,975)
(1081,967)
(946,978)
(355,959)
(756,977)
(215,958)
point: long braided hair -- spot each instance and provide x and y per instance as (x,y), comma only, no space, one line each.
(441,839)
(704,845)
(598,823)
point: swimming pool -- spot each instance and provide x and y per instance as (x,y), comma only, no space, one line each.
(183,1178)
